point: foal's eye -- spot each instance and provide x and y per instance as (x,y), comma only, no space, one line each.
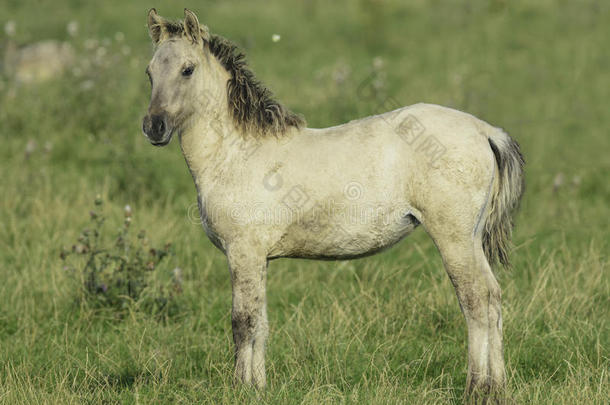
(187,71)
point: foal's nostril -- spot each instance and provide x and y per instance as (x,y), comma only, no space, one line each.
(161,127)
(158,125)
(155,128)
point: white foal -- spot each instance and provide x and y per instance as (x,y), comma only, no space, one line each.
(269,187)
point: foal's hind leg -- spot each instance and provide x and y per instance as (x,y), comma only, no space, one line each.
(479,296)
(496,347)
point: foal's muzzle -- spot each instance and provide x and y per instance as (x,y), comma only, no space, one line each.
(156,129)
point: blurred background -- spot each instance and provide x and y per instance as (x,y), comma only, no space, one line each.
(385,329)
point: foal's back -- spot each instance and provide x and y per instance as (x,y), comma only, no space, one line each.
(385,170)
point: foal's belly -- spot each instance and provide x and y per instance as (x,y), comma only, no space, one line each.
(341,240)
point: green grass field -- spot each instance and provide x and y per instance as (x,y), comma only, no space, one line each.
(381,330)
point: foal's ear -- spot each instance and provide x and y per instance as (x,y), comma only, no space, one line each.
(156,25)
(193,30)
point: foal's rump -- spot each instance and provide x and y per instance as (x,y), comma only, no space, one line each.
(472,171)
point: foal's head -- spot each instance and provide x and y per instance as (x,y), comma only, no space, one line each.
(176,73)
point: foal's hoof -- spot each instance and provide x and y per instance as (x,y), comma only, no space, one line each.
(246,380)
(486,395)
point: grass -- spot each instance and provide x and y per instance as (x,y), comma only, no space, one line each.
(385,329)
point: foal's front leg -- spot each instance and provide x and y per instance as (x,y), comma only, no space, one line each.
(249,314)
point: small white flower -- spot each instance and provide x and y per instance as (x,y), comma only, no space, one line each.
(377,62)
(275,37)
(101,52)
(90,43)
(87,85)
(10,28)
(72,28)
(576,180)
(125,50)
(128,211)
(341,73)
(30,147)
(558,181)
(119,36)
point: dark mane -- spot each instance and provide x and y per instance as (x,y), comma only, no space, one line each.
(251,104)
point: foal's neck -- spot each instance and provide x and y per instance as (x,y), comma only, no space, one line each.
(213,140)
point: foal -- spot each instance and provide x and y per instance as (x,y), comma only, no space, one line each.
(269,187)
